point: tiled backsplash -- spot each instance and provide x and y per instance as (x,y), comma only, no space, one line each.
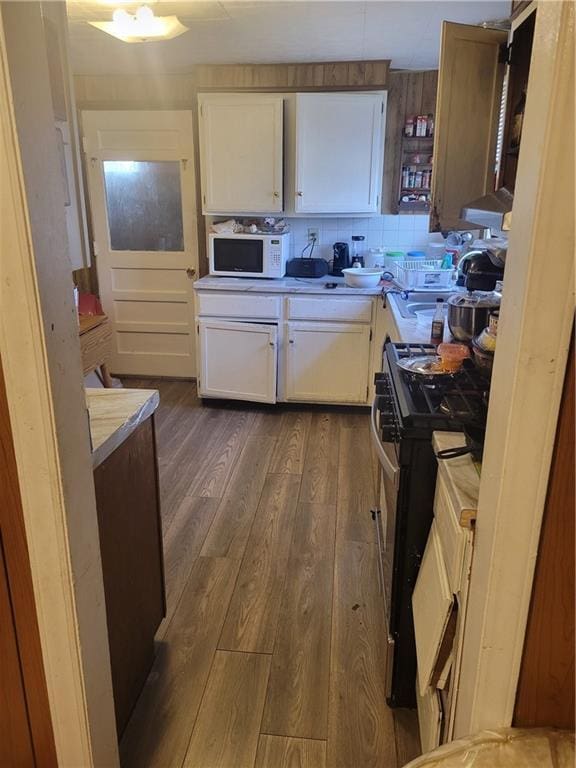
(401,233)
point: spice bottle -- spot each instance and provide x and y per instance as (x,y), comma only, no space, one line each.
(437,331)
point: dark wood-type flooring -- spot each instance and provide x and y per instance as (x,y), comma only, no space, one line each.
(273,649)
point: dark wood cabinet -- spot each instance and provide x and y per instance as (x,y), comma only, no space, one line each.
(130,528)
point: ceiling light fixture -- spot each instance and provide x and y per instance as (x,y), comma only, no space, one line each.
(141,26)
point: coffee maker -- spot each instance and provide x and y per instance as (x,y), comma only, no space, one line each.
(341,258)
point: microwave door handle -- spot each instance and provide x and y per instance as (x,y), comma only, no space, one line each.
(385,462)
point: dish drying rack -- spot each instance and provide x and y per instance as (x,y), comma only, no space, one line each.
(422,273)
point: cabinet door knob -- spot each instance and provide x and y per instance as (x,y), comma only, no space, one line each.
(272,344)
(291,341)
(190,272)
(300,194)
(276,194)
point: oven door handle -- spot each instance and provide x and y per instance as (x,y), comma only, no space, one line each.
(388,467)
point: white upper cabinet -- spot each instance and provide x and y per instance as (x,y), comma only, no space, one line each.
(338,152)
(241,159)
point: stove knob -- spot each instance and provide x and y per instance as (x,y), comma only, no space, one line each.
(389,434)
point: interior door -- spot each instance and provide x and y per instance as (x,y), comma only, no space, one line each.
(140,168)
(238,360)
(467,111)
(241,139)
(432,603)
(339,149)
(327,362)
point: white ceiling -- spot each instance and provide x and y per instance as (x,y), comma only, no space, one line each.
(274,31)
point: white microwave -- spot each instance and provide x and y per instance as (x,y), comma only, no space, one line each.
(260,255)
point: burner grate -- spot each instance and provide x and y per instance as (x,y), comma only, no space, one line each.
(441,402)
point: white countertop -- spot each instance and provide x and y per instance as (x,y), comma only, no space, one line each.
(283,285)
(411,329)
(114,415)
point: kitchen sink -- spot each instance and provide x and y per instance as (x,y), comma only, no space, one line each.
(417,301)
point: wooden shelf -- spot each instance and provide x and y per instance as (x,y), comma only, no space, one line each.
(415,145)
(413,93)
(418,206)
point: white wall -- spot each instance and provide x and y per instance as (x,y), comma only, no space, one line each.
(404,233)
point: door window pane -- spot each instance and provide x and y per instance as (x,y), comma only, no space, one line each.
(144,204)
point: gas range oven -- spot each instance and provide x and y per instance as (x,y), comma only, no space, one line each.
(406,411)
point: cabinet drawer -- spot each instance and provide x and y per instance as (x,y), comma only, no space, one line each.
(432,603)
(348,310)
(429,718)
(238,305)
(451,534)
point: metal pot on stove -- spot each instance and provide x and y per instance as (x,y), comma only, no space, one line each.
(468,313)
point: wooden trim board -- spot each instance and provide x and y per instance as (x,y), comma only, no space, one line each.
(40,353)
(533,339)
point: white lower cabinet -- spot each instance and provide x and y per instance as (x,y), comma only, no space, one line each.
(326,362)
(440,595)
(238,360)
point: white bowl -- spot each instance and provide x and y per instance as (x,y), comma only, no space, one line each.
(362,277)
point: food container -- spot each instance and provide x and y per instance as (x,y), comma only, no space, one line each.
(416,255)
(436,251)
(392,259)
(483,359)
(468,313)
(452,356)
(486,340)
(362,277)
(375,258)
(493,322)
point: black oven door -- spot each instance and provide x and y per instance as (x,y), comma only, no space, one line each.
(385,516)
(238,255)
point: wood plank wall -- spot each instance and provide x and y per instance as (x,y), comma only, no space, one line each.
(409,93)
(179,91)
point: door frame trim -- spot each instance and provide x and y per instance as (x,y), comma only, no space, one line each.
(43,379)
(536,319)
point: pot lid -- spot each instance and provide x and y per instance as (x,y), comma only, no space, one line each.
(475,299)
